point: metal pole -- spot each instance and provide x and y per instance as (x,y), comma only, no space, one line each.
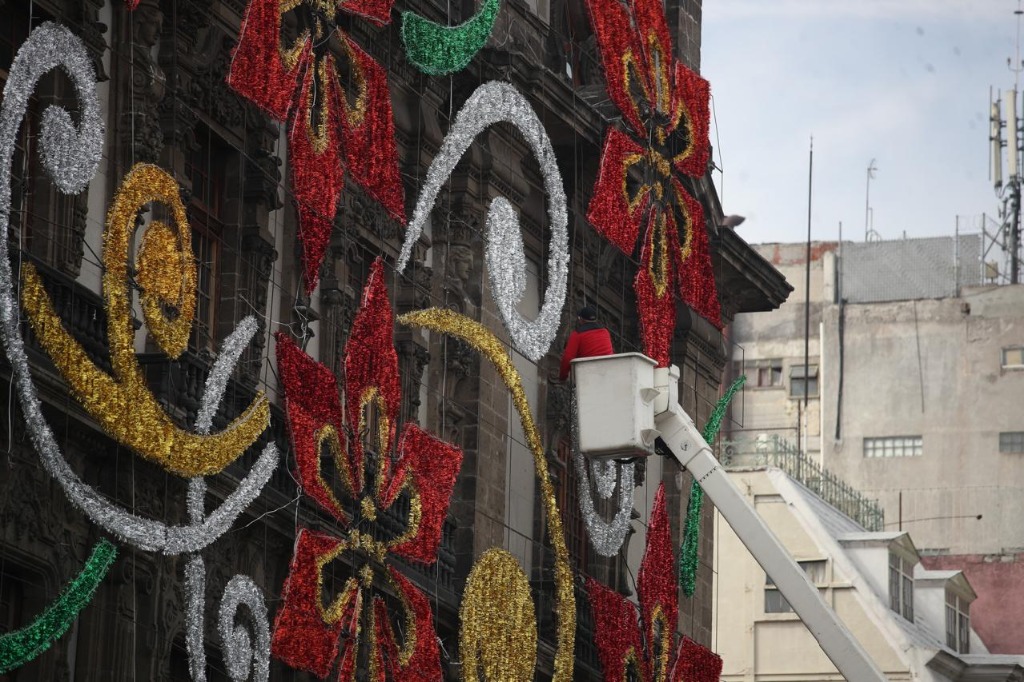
(807,282)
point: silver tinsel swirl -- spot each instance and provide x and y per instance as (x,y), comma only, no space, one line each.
(195,595)
(606,537)
(605,473)
(71,157)
(491,103)
(242,655)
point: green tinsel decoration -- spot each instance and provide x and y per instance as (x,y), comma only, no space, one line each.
(437,49)
(691,535)
(21,646)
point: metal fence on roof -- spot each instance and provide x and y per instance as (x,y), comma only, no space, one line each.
(777,452)
(907,269)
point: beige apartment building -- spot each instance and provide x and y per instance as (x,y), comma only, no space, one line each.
(913,622)
(915,375)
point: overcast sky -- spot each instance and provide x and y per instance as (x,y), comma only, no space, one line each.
(905,82)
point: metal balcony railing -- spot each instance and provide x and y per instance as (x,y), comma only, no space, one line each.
(777,452)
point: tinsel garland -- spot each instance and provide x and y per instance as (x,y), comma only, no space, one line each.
(123,404)
(689,547)
(491,103)
(484,341)
(306,634)
(195,600)
(648,646)
(666,108)
(21,646)
(696,663)
(303,86)
(656,590)
(47,47)
(244,654)
(440,50)
(498,638)
(605,474)
(605,537)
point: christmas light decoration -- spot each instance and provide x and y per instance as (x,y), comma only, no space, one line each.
(21,646)
(245,654)
(606,537)
(307,635)
(491,103)
(123,403)
(440,50)
(665,106)
(484,341)
(498,640)
(648,646)
(77,154)
(301,83)
(690,545)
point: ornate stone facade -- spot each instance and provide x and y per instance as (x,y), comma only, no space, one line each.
(168,104)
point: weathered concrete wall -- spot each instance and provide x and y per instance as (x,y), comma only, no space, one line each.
(931,368)
(779,335)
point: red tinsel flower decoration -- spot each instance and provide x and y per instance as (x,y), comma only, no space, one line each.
(301,83)
(421,472)
(649,645)
(665,106)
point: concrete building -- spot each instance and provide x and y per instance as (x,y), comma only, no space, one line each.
(916,376)
(164,100)
(913,622)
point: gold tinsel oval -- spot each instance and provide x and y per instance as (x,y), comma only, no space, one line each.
(167,276)
(499,629)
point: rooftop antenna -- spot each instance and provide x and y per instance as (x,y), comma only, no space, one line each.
(1013,156)
(869,231)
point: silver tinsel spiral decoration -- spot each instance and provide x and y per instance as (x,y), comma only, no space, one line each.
(606,537)
(245,654)
(491,103)
(71,156)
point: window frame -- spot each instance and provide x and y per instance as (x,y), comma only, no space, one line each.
(774,602)
(901,585)
(958,622)
(809,382)
(1003,353)
(765,373)
(891,447)
(1011,442)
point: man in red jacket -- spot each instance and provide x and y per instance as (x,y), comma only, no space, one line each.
(589,339)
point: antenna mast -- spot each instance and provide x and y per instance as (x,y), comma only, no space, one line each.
(1011,192)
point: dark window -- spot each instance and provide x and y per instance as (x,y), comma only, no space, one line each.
(1011,441)
(764,373)
(958,623)
(774,602)
(799,385)
(206,168)
(901,586)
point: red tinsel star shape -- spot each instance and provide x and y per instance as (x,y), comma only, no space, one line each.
(300,83)
(648,646)
(666,108)
(307,633)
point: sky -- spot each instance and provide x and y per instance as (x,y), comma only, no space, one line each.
(904,82)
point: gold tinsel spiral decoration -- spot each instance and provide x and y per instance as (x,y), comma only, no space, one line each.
(499,630)
(485,342)
(122,403)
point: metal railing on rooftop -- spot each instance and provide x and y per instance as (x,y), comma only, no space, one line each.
(777,452)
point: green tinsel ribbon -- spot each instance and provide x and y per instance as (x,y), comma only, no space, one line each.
(21,646)
(437,49)
(691,535)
